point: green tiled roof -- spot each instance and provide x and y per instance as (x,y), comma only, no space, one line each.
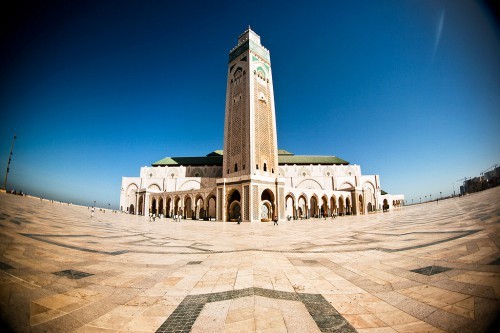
(203,160)
(216,153)
(284,157)
(305,159)
(284,152)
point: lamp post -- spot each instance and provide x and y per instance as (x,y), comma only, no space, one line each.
(420,199)
(425,198)
(94,203)
(430,197)
(8,163)
(440,195)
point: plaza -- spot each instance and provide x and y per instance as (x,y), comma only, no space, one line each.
(431,267)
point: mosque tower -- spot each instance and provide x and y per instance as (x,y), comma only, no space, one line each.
(250,186)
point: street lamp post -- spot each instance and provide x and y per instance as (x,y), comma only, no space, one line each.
(8,163)
(94,203)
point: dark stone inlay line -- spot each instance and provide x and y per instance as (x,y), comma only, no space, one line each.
(72,274)
(430,270)
(322,312)
(4,266)
(37,237)
(462,234)
(41,238)
(194,262)
(495,262)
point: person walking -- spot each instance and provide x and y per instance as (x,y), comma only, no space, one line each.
(92,212)
(275,220)
(239,219)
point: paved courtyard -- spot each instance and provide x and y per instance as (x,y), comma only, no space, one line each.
(426,268)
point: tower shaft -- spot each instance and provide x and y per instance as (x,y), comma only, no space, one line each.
(249,188)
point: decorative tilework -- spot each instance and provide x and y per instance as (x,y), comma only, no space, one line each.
(72,274)
(323,313)
(431,270)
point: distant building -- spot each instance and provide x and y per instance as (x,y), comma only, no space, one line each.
(251,177)
(488,179)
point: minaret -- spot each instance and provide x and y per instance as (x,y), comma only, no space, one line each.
(250,126)
(250,162)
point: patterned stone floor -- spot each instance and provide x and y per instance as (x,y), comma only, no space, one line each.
(426,268)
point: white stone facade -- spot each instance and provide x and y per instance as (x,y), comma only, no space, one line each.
(252,180)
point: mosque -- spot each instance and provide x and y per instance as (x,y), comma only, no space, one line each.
(251,178)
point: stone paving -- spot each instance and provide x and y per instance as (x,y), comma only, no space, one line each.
(432,267)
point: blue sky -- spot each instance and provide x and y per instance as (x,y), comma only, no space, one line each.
(95,90)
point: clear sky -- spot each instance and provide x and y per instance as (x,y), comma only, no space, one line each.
(408,90)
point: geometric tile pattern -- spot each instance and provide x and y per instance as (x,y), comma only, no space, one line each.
(359,265)
(430,270)
(72,274)
(322,312)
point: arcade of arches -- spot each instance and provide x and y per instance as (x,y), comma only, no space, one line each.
(302,207)
(203,207)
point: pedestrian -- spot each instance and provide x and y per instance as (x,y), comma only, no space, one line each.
(239,219)
(92,212)
(275,220)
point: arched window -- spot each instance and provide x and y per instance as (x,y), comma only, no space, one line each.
(265,167)
(236,167)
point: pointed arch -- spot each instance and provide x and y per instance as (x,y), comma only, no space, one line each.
(199,205)
(290,206)
(302,206)
(324,209)
(314,206)
(154,187)
(233,204)
(211,205)
(346,185)
(333,205)
(341,208)
(267,204)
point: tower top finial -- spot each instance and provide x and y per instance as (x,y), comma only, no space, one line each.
(249,34)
